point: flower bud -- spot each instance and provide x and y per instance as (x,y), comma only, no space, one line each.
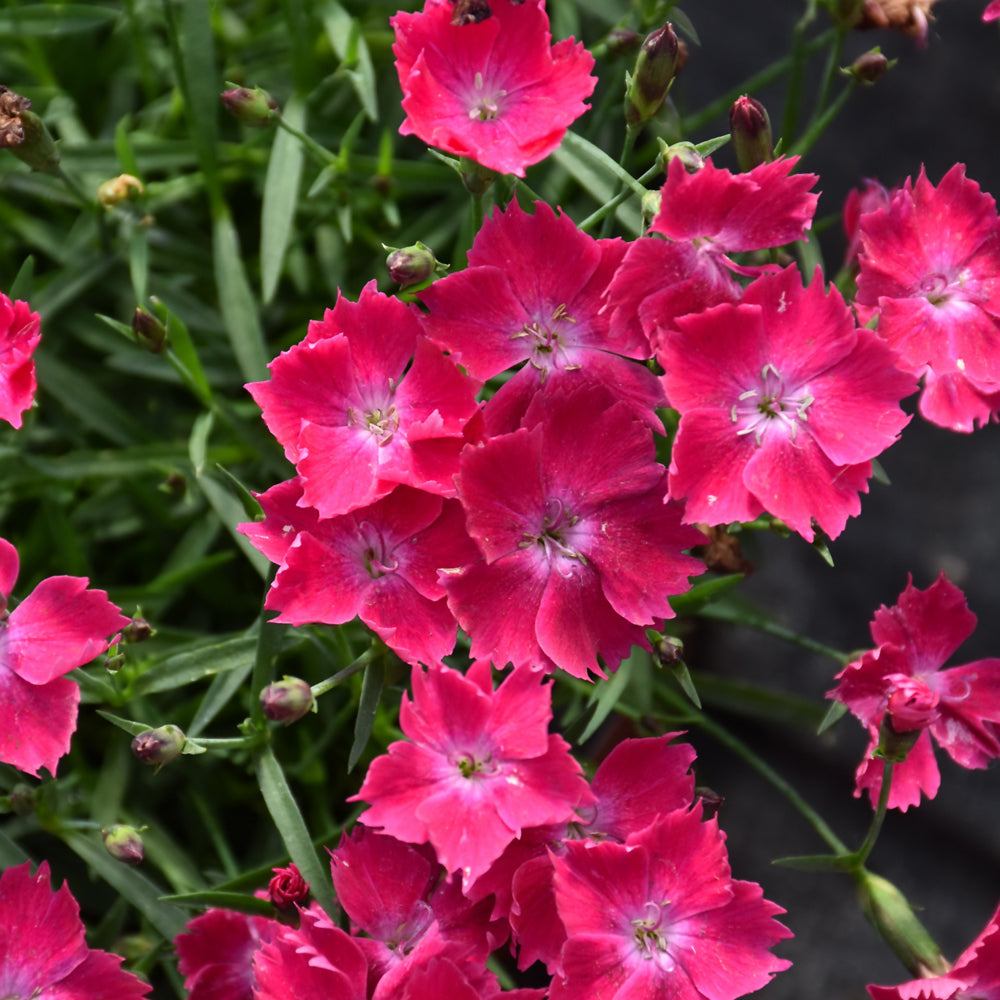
(711,801)
(471,12)
(287,700)
(151,334)
(868,67)
(750,128)
(252,107)
(658,62)
(25,134)
(411,265)
(123,843)
(668,650)
(22,799)
(892,916)
(118,189)
(159,746)
(287,888)
(913,704)
(650,206)
(138,629)
(693,160)
(476,179)
(622,42)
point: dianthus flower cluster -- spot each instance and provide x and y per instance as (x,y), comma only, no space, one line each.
(481,832)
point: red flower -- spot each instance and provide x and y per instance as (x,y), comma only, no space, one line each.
(992,12)
(366,402)
(661,916)
(215,951)
(497,92)
(580,549)
(959,707)
(783,403)
(43,952)
(481,767)
(287,888)
(19,336)
(930,269)
(59,626)
(975,974)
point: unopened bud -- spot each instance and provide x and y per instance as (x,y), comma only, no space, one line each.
(668,650)
(869,67)
(658,62)
(476,179)
(711,801)
(25,134)
(159,746)
(22,799)
(287,888)
(893,917)
(693,160)
(114,662)
(138,629)
(411,265)
(124,843)
(252,107)
(750,129)
(287,700)
(118,189)
(621,42)
(149,332)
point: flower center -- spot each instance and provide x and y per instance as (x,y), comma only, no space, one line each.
(770,406)
(378,557)
(934,288)
(555,538)
(471,766)
(381,423)
(912,703)
(650,933)
(547,345)
(485,106)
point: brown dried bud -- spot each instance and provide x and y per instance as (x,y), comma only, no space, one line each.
(911,17)
(25,134)
(471,12)
(11,127)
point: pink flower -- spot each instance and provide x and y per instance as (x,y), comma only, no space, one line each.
(992,12)
(287,888)
(59,626)
(706,216)
(783,404)
(379,563)
(366,402)
(314,961)
(930,269)
(859,201)
(480,766)
(581,549)
(19,336)
(959,707)
(215,951)
(497,92)
(975,974)
(532,293)
(661,916)
(43,952)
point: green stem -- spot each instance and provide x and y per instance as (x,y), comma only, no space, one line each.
(696,122)
(830,72)
(622,196)
(861,854)
(820,124)
(627,146)
(338,678)
(322,155)
(796,75)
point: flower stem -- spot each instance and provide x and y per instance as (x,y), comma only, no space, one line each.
(861,854)
(610,206)
(627,146)
(338,678)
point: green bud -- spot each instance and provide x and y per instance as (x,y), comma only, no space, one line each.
(869,67)
(159,746)
(693,160)
(893,917)
(151,334)
(411,265)
(750,128)
(124,843)
(252,107)
(287,700)
(658,62)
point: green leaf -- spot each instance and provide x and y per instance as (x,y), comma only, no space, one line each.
(21,288)
(138,261)
(128,725)
(195,665)
(124,150)
(709,146)
(220,693)
(11,853)
(140,891)
(371,692)
(683,677)
(230,512)
(704,592)
(251,505)
(348,41)
(281,195)
(834,714)
(237,901)
(236,300)
(198,443)
(292,828)
(606,695)
(45,19)
(600,176)
(817,862)
(183,356)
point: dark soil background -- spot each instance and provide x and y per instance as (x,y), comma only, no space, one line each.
(938,105)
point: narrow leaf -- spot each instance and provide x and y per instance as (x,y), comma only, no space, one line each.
(238,901)
(45,20)
(606,695)
(371,692)
(195,665)
(198,443)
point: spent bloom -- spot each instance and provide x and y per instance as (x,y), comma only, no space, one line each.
(43,952)
(784,402)
(59,626)
(497,91)
(19,336)
(581,548)
(479,766)
(902,677)
(661,916)
(930,270)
